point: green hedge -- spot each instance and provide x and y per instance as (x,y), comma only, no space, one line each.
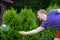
(11,18)
(26,21)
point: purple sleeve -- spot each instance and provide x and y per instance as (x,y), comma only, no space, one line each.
(53,12)
(44,24)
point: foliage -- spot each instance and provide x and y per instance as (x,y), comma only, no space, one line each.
(11,18)
(28,22)
(34,4)
(25,21)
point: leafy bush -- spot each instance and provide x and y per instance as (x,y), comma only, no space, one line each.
(28,22)
(25,21)
(49,34)
(11,18)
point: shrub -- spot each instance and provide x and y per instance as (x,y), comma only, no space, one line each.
(28,22)
(25,21)
(11,18)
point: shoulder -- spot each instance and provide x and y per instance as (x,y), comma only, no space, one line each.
(53,11)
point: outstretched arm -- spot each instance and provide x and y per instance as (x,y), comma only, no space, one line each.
(39,29)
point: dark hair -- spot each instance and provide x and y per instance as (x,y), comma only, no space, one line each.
(38,21)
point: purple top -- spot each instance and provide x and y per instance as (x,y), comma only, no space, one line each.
(53,20)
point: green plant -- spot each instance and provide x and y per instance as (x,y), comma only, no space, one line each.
(11,18)
(25,21)
(28,22)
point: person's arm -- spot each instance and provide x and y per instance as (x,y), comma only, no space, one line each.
(39,29)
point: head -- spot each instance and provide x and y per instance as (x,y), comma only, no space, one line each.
(41,14)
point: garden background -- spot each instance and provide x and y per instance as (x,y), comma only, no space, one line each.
(21,15)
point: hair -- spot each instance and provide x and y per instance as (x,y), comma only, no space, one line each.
(41,10)
(40,21)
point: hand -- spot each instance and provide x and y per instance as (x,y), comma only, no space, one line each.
(22,32)
(11,2)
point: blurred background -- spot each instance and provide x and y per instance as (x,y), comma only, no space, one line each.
(21,15)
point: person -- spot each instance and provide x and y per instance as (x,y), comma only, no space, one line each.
(50,19)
